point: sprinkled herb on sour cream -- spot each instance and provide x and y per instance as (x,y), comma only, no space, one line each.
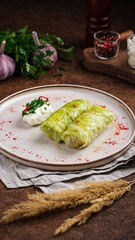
(37,111)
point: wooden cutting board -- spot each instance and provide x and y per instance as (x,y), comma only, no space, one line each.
(117,67)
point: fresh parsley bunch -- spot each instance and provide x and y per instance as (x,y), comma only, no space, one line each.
(21,47)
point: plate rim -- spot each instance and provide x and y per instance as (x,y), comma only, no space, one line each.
(80,165)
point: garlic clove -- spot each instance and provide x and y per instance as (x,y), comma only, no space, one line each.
(48,46)
(7,64)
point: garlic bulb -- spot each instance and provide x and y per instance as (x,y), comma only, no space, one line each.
(7,65)
(48,46)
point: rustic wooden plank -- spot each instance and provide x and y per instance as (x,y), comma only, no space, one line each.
(117,67)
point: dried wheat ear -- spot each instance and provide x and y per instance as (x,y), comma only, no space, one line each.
(97,194)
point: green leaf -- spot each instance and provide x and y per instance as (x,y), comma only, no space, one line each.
(42,72)
(49,53)
(27,67)
(59,69)
(22,51)
(69,50)
(23,30)
(16,57)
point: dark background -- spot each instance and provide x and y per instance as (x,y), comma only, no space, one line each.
(66,19)
(58,17)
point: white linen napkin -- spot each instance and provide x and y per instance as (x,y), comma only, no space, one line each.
(15,175)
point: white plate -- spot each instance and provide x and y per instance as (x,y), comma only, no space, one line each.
(31,147)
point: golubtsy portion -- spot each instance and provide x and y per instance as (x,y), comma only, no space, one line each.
(55,125)
(81,132)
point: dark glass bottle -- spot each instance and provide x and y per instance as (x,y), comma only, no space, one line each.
(98,18)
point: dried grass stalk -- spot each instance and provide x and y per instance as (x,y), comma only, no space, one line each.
(97,205)
(91,188)
(71,198)
(40,202)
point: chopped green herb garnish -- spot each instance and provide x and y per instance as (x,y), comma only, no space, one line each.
(33,105)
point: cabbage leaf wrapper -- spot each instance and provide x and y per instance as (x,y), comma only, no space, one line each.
(87,127)
(58,122)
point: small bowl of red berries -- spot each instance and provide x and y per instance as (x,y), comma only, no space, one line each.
(106,44)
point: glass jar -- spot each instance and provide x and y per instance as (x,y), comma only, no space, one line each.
(131,50)
(106,44)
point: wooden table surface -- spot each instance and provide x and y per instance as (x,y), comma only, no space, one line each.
(67,19)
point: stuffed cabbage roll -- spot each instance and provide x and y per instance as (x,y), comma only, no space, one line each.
(58,122)
(87,127)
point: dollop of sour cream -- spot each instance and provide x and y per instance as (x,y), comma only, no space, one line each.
(40,115)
